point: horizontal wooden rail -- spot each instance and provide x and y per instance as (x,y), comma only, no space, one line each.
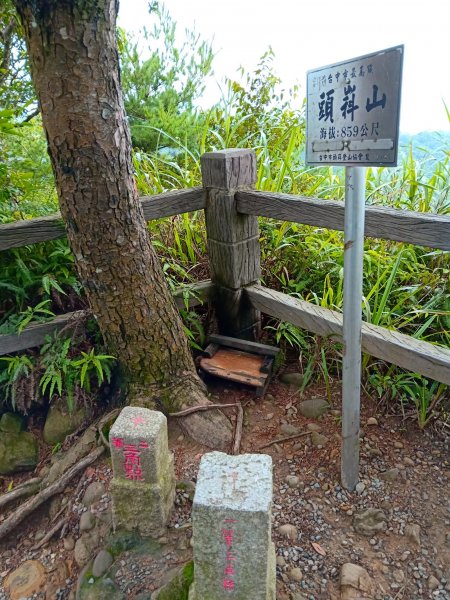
(34,335)
(423,229)
(402,350)
(44,229)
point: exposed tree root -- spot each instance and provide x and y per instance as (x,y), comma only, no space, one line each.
(26,489)
(46,492)
(48,536)
(210,428)
(201,407)
(238,429)
(72,462)
(285,439)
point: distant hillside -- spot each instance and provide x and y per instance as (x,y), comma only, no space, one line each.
(428,146)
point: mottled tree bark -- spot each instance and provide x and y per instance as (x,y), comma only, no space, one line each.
(74,63)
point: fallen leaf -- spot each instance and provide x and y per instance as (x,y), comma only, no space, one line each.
(318,548)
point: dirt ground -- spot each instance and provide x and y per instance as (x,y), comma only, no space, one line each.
(404,472)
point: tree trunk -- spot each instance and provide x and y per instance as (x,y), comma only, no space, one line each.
(74,64)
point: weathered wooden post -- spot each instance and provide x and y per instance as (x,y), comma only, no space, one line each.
(233,240)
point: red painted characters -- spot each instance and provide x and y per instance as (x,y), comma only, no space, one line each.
(132,458)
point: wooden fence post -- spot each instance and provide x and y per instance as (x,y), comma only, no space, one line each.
(233,240)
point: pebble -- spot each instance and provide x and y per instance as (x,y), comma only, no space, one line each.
(93,493)
(295,574)
(389,475)
(433,583)
(313,427)
(69,543)
(412,533)
(87,521)
(289,429)
(293,481)
(360,487)
(398,445)
(398,575)
(102,562)
(372,421)
(289,531)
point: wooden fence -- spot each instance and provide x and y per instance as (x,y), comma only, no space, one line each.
(231,209)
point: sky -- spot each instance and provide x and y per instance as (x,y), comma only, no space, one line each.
(306,34)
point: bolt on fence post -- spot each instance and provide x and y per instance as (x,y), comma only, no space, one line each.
(353,277)
(233,240)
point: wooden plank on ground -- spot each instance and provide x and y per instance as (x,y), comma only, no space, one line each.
(44,229)
(414,355)
(245,345)
(34,335)
(422,229)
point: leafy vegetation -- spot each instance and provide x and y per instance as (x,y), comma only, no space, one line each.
(405,286)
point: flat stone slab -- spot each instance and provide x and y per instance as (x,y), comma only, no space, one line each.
(234,557)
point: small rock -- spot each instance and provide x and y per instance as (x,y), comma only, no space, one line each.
(412,533)
(398,445)
(369,521)
(375,452)
(317,439)
(269,417)
(280,561)
(408,461)
(313,427)
(313,409)
(27,579)
(295,574)
(289,429)
(398,575)
(87,521)
(355,580)
(360,487)
(294,379)
(11,422)
(60,422)
(433,583)
(293,481)
(18,452)
(289,531)
(389,475)
(102,562)
(372,421)
(81,553)
(69,543)
(93,493)
(269,398)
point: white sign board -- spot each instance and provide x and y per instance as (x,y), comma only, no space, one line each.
(353,111)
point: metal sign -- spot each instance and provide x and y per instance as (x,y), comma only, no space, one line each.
(353,111)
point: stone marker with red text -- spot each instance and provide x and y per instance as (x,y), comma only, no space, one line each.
(143,486)
(234,557)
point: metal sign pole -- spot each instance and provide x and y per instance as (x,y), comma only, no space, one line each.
(353,275)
